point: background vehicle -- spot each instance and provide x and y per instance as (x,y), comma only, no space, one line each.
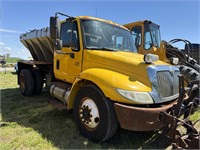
(91,66)
(147,39)
(2,61)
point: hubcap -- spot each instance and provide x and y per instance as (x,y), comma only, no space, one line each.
(89,113)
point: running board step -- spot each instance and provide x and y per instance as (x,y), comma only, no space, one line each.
(57,104)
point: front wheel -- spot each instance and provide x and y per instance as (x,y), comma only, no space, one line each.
(94,114)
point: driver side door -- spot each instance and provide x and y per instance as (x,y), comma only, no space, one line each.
(68,62)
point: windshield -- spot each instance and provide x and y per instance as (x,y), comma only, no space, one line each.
(103,36)
(152,35)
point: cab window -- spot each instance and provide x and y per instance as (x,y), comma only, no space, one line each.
(66,33)
(67,36)
(147,42)
(136,33)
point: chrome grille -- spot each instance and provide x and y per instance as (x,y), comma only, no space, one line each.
(167,83)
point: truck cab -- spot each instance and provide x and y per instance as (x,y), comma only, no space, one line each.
(84,36)
(147,38)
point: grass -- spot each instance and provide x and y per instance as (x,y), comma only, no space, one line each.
(31,123)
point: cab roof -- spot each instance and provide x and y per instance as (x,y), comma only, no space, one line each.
(102,20)
(135,23)
(130,25)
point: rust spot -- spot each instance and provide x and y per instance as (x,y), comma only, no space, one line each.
(140,119)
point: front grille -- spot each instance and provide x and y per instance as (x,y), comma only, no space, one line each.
(168,84)
(165,83)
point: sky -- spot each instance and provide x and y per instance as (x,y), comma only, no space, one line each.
(177,18)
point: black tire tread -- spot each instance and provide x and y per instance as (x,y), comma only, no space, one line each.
(189,73)
(112,122)
(38,82)
(29,82)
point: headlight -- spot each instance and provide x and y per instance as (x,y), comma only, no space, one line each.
(174,60)
(139,97)
(149,58)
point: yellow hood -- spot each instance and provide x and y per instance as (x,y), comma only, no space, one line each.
(127,63)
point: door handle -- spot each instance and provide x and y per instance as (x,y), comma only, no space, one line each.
(57,64)
(71,55)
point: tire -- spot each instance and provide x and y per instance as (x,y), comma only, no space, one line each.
(94,114)
(38,82)
(26,82)
(189,73)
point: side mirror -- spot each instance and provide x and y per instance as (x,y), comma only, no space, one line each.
(59,44)
(54,27)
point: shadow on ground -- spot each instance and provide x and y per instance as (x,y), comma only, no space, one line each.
(59,127)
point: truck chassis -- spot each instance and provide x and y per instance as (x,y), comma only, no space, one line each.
(165,116)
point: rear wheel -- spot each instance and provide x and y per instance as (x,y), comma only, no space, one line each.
(38,82)
(26,82)
(94,114)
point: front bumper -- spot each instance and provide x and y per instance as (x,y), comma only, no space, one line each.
(141,119)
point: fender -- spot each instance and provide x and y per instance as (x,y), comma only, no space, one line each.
(108,81)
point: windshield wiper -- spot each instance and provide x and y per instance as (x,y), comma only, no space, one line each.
(109,49)
(102,48)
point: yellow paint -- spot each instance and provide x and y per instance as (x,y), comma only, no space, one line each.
(160,51)
(69,67)
(109,70)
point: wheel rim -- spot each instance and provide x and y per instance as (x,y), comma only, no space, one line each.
(89,113)
(22,83)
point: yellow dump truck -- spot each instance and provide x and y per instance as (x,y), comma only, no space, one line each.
(91,65)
